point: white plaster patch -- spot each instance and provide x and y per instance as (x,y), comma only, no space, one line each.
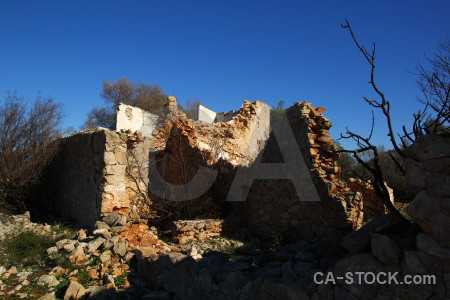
(205,114)
(135,119)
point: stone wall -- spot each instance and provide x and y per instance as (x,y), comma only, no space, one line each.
(238,141)
(428,173)
(186,230)
(72,186)
(387,245)
(88,177)
(273,205)
(392,244)
(372,204)
(181,145)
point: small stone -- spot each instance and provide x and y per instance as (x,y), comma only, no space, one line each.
(101,225)
(202,236)
(413,262)
(52,250)
(49,296)
(325,139)
(104,233)
(118,228)
(57,271)
(81,236)
(144,252)
(428,244)
(103,271)
(13,270)
(121,248)
(92,274)
(107,279)
(101,292)
(193,251)
(49,280)
(60,244)
(122,220)
(77,250)
(129,256)
(182,240)
(111,219)
(78,258)
(133,215)
(111,242)
(23,274)
(105,256)
(385,249)
(74,291)
(117,271)
(70,246)
(95,244)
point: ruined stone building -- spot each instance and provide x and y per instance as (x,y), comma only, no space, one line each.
(100,171)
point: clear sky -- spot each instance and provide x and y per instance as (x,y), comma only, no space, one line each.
(222,52)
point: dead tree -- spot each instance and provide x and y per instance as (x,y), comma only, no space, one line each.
(435,87)
(364,143)
(434,84)
(27,145)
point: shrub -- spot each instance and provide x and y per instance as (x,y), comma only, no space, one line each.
(27,134)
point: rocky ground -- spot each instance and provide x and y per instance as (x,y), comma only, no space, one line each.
(105,262)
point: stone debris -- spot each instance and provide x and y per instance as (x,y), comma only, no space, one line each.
(187,230)
(95,244)
(74,291)
(48,280)
(390,243)
(204,264)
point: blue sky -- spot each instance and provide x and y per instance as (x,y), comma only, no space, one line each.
(222,52)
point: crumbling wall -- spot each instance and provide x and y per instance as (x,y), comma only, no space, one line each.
(114,188)
(392,244)
(238,141)
(180,145)
(273,205)
(135,119)
(186,230)
(226,116)
(72,185)
(372,204)
(87,178)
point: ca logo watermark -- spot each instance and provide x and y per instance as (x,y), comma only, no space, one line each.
(292,168)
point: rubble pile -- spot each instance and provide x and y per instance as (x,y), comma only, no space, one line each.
(186,230)
(392,244)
